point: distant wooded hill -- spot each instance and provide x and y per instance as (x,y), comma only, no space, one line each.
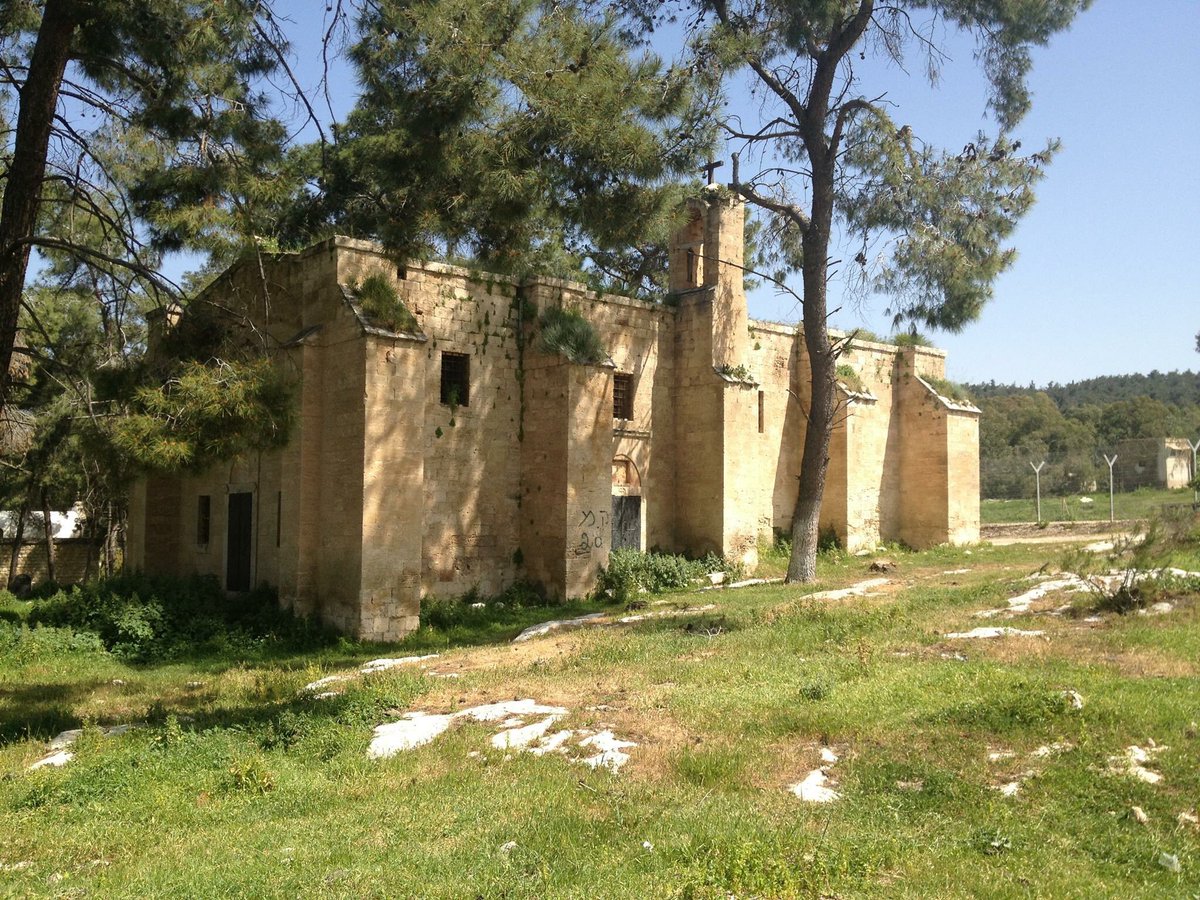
(1070,426)
(1177,388)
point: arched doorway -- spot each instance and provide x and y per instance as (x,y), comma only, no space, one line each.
(626,504)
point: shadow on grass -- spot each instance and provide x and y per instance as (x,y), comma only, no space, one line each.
(40,711)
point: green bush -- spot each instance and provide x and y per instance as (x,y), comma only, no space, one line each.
(629,572)
(382,305)
(566,332)
(143,618)
(21,643)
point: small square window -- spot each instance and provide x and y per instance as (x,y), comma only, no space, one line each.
(203,519)
(622,396)
(456,379)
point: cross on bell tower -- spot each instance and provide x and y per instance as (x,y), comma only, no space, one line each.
(710,168)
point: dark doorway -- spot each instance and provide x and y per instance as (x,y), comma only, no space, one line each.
(627,522)
(238,548)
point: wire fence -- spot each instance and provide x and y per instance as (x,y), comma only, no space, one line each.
(1074,484)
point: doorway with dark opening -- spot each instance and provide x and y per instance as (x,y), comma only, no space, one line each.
(626,505)
(239,546)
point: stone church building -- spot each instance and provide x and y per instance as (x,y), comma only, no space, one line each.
(450,450)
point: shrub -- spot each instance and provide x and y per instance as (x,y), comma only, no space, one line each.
(143,618)
(629,572)
(22,643)
(382,305)
(566,332)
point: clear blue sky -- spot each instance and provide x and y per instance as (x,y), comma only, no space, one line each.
(1107,280)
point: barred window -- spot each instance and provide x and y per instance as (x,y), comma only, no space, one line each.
(456,379)
(622,396)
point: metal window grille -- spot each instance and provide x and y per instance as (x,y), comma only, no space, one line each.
(456,379)
(622,396)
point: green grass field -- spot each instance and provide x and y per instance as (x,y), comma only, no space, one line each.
(242,785)
(1140,504)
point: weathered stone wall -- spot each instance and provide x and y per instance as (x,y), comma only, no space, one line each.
(544,452)
(387,495)
(75,560)
(939,460)
(589,477)
(639,337)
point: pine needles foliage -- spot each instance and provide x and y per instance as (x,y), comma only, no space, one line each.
(566,332)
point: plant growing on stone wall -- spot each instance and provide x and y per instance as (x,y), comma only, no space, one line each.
(951,390)
(910,339)
(848,377)
(381,304)
(566,332)
(739,372)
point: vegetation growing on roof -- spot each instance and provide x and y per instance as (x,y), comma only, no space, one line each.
(849,378)
(910,339)
(382,306)
(950,390)
(566,332)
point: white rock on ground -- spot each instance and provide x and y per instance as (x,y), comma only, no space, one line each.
(519,738)
(1009,788)
(604,619)
(855,590)
(1052,749)
(992,633)
(414,730)
(55,759)
(544,628)
(611,755)
(382,665)
(747,582)
(417,729)
(1157,609)
(666,613)
(1133,763)
(322,682)
(64,739)
(815,788)
(367,668)
(1022,603)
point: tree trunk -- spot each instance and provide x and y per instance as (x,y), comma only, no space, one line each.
(802,564)
(822,361)
(14,561)
(27,171)
(109,540)
(48,529)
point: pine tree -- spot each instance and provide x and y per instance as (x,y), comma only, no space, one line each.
(833,156)
(524,134)
(177,79)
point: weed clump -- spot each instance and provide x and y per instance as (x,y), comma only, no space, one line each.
(566,332)
(630,572)
(382,305)
(471,608)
